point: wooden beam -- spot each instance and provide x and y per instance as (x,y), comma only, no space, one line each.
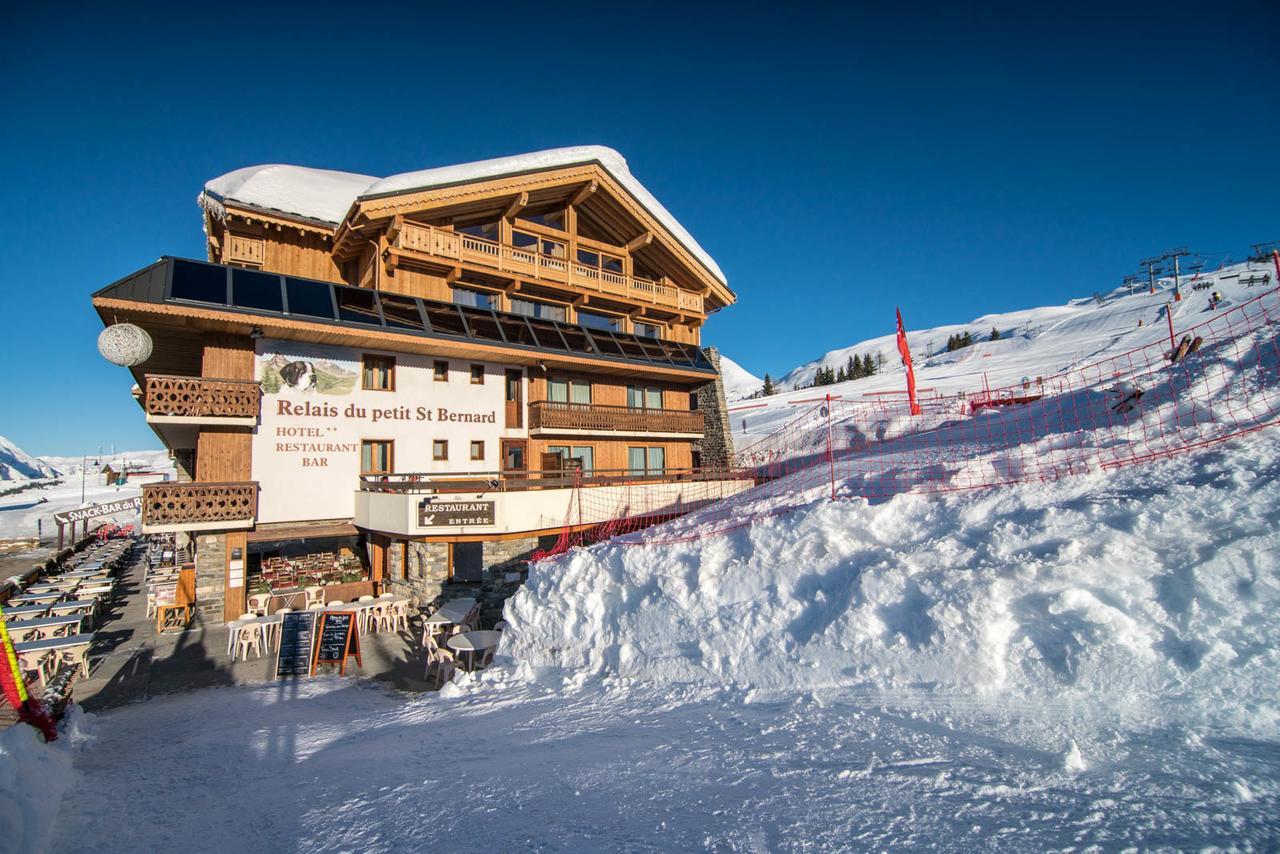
(517,204)
(393,231)
(640,242)
(585,193)
(453,275)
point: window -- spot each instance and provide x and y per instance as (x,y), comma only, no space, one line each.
(441,372)
(644,397)
(550,219)
(477,450)
(376,456)
(477,374)
(529,308)
(378,373)
(646,460)
(648,330)
(583,453)
(474,298)
(600,261)
(592,320)
(486,230)
(568,391)
(440,449)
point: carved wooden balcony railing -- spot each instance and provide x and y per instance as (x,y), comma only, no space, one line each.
(456,246)
(199,506)
(548,415)
(201,397)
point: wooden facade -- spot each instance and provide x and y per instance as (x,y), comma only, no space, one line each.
(569,243)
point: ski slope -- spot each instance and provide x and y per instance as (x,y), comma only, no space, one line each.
(1036,342)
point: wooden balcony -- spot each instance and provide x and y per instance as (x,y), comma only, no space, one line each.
(547,417)
(425,240)
(200,400)
(170,507)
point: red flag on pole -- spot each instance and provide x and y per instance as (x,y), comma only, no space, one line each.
(905,352)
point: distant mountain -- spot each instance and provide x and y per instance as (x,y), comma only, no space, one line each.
(17,464)
(738,383)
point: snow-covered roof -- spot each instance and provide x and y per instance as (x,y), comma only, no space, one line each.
(319,194)
(325,195)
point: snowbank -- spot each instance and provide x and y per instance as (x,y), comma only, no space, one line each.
(1152,592)
(33,778)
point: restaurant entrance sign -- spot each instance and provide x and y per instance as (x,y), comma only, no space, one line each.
(452,514)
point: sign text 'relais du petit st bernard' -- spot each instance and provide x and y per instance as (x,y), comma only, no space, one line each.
(440,414)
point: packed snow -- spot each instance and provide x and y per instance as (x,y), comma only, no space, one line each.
(325,195)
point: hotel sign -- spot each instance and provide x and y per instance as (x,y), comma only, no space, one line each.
(453,514)
(93,511)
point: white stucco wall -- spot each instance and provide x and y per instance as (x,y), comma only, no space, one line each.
(306,447)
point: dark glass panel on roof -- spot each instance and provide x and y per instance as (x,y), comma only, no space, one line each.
(308,298)
(631,348)
(576,338)
(605,344)
(357,305)
(257,290)
(517,331)
(199,282)
(483,325)
(401,312)
(445,319)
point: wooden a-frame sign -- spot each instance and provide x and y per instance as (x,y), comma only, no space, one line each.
(337,639)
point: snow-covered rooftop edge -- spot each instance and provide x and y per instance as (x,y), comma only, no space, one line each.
(326,195)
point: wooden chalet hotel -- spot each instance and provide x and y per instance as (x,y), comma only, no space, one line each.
(388,383)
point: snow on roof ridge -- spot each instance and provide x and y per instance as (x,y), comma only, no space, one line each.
(319,194)
(327,195)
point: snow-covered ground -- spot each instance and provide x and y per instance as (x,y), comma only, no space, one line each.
(17,465)
(1089,662)
(738,381)
(20,512)
(1034,342)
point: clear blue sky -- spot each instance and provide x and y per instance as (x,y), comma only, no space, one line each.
(836,162)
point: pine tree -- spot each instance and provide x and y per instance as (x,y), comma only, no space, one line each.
(869,365)
(842,375)
(995,334)
(768,385)
(851,368)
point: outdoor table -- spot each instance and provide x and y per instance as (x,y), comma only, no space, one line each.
(91,573)
(27,629)
(470,643)
(52,587)
(36,598)
(81,607)
(25,612)
(270,629)
(74,649)
(287,597)
(453,611)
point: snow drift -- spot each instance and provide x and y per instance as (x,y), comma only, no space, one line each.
(1152,591)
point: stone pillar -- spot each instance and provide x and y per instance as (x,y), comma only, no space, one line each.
(503,556)
(716,444)
(426,569)
(211,575)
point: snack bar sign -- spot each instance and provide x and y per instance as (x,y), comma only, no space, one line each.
(454,514)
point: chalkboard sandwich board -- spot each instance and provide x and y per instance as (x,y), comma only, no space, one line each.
(297,636)
(339,638)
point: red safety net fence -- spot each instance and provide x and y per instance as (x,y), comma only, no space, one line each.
(1197,387)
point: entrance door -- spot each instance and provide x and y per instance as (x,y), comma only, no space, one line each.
(467,562)
(515,397)
(513,455)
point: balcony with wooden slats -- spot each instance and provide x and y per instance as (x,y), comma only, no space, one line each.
(568,419)
(169,507)
(200,400)
(455,247)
